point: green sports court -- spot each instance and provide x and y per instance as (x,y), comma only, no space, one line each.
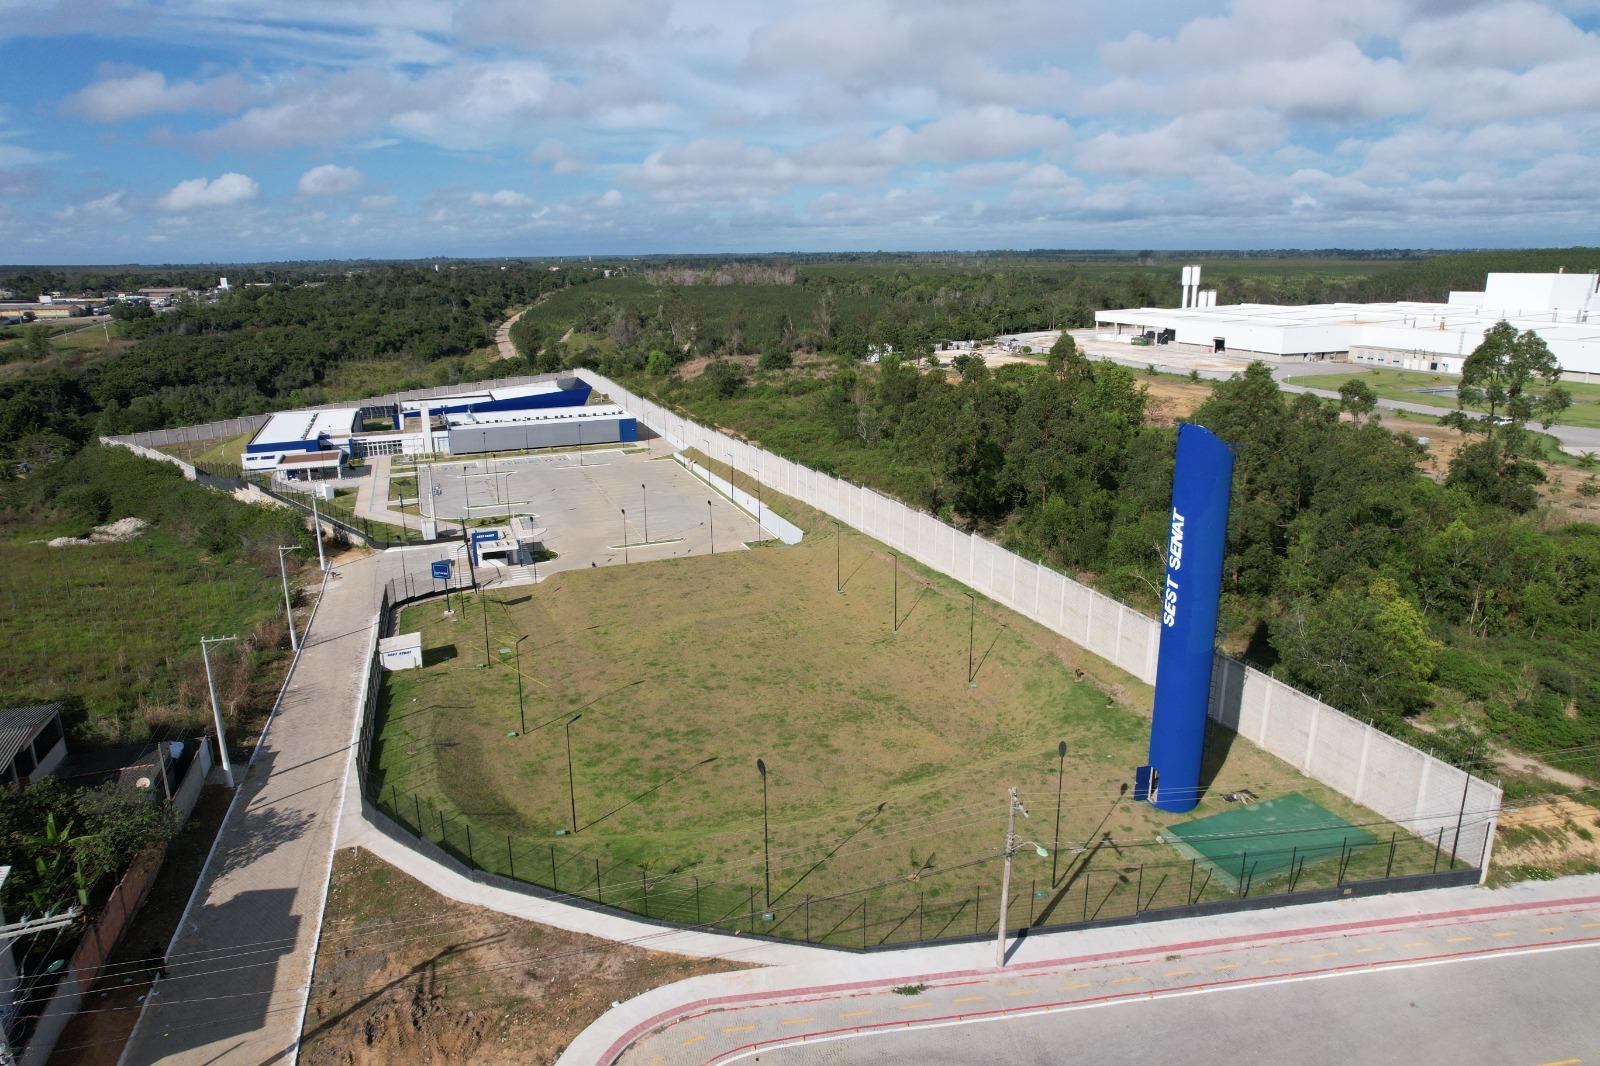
(1259,841)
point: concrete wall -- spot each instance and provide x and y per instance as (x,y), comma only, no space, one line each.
(1405,785)
(771,524)
(469,440)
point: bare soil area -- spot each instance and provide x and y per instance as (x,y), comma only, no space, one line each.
(405,975)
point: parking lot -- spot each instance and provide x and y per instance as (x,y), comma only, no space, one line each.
(579,498)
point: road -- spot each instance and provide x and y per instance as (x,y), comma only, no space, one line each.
(1505,983)
(261,895)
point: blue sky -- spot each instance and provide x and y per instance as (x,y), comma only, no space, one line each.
(186,130)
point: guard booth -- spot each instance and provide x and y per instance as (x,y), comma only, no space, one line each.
(513,544)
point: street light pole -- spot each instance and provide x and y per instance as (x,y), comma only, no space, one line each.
(483,606)
(712,519)
(1055,848)
(972,624)
(896,559)
(645,492)
(572,794)
(288,604)
(316,521)
(522,713)
(838,560)
(624,511)
(1013,805)
(766,841)
(216,711)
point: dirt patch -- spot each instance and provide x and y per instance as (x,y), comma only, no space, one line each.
(1167,401)
(405,975)
(1560,836)
(123,529)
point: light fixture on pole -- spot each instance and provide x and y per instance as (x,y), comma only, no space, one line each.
(766,841)
(1013,807)
(644,491)
(572,793)
(896,618)
(711,518)
(288,604)
(216,711)
(624,511)
(972,626)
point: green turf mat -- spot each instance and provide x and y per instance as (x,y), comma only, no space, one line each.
(1261,840)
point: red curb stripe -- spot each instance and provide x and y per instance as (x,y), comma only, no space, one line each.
(1115,997)
(686,1010)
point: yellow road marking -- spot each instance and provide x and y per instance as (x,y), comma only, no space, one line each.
(968,999)
(1279,959)
(1552,929)
(855,1014)
(1324,954)
(738,1029)
(1022,992)
(1075,984)
(1563,1062)
(692,1041)
(1457,939)
(1226,966)
(1416,944)
(1363,951)
(796,1021)
(909,1006)
(1504,932)
(1179,973)
(1124,980)
(1589,925)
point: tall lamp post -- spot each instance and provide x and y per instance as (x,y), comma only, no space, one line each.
(624,511)
(572,794)
(972,626)
(711,518)
(316,521)
(896,619)
(522,711)
(288,604)
(645,492)
(216,711)
(1055,849)
(766,843)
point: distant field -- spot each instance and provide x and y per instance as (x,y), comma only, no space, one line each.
(223,454)
(1405,385)
(886,768)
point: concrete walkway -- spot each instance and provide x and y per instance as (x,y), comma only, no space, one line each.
(240,964)
(694,1020)
(372,496)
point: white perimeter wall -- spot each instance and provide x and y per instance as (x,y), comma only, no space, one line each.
(1405,785)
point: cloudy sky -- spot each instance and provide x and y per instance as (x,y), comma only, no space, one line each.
(228,130)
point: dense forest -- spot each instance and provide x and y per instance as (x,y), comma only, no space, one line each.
(257,348)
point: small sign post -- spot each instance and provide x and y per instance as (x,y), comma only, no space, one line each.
(441,572)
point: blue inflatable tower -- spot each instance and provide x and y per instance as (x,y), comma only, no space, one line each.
(1202,481)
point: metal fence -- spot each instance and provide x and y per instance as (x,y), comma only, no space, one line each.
(1098,883)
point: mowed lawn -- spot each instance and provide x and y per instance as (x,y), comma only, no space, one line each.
(1404,385)
(886,768)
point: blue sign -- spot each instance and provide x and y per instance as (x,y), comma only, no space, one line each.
(441,569)
(1202,480)
(479,536)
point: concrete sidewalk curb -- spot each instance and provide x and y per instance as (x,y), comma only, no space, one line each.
(611,1034)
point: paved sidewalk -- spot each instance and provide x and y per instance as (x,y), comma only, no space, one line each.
(704,1018)
(239,966)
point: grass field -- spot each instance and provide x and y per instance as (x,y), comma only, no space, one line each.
(118,624)
(223,454)
(1403,385)
(886,771)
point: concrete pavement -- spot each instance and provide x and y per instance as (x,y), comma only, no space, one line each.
(836,1013)
(240,963)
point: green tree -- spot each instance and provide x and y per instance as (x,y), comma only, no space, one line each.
(1367,651)
(775,357)
(724,378)
(1357,397)
(1504,374)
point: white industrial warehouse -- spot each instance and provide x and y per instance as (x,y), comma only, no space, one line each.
(311,445)
(1562,308)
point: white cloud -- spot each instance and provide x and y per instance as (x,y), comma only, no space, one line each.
(328,180)
(500,198)
(226,190)
(117,97)
(379,202)
(103,209)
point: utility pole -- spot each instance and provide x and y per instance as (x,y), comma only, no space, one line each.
(316,521)
(572,792)
(216,711)
(766,840)
(1055,847)
(522,713)
(288,604)
(1014,806)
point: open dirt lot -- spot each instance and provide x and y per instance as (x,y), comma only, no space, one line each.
(406,976)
